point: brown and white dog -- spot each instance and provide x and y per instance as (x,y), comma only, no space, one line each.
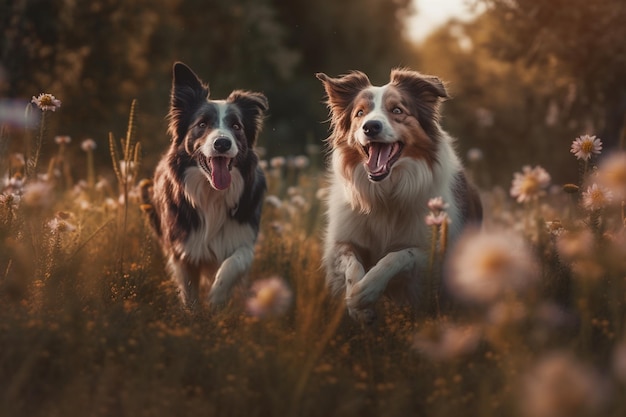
(389,157)
(208,189)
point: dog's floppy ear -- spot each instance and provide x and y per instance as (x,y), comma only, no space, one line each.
(342,91)
(253,107)
(188,92)
(426,90)
(426,87)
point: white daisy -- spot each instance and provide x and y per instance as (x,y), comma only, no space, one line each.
(584,147)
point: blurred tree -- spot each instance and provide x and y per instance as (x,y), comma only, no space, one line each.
(25,42)
(584,39)
(240,44)
(94,56)
(336,37)
(237,44)
(503,108)
(97,56)
(333,37)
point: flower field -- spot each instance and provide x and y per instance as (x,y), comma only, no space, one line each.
(531,320)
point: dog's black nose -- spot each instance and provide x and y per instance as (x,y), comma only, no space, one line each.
(372,128)
(222,145)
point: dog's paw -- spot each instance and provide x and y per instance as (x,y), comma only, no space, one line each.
(362,295)
(218,296)
(366,316)
(361,302)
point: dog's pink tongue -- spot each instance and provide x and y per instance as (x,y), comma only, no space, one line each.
(379,154)
(220,174)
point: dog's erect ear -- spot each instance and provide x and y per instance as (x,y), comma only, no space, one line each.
(253,107)
(185,77)
(427,91)
(188,92)
(342,91)
(187,88)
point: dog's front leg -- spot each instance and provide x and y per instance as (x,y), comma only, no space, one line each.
(344,271)
(343,268)
(187,277)
(229,273)
(366,292)
(350,267)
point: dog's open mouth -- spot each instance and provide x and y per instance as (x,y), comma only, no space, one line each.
(380,158)
(218,168)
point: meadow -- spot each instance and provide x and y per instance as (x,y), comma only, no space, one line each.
(533,323)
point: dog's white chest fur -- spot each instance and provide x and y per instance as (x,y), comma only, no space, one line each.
(380,222)
(389,215)
(218,234)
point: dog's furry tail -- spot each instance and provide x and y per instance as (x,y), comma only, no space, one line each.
(147,206)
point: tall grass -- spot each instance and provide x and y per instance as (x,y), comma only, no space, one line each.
(91,325)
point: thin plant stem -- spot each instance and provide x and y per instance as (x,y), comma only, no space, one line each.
(124,172)
(433,248)
(433,298)
(443,243)
(4,146)
(33,160)
(90,170)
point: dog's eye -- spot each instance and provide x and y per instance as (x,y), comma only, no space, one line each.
(202,125)
(359,113)
(236,126)
(396,110)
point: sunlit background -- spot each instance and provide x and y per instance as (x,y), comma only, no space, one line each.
(532,316)
(524,79)
(434,13)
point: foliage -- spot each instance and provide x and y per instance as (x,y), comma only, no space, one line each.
(102,53)
(91,325)
(525,76)
(512,113)
(581,39)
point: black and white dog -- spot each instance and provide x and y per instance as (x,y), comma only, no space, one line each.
(208,188)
